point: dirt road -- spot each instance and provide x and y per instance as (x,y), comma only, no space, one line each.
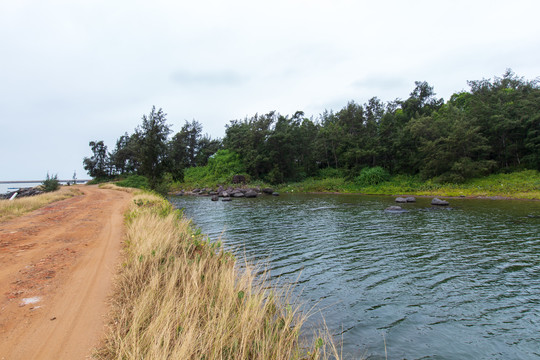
(56,269)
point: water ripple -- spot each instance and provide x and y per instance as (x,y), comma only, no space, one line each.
(427,280)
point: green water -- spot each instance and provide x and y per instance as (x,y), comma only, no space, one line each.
(459,283)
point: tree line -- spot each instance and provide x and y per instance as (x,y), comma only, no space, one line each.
(492,127)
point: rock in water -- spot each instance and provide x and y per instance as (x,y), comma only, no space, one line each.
(226,199)
(215,198)
(410,199)
(439,202)
(401,200)
(251,193)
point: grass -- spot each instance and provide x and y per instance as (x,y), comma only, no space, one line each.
(520,185)
(180,296)
(20,206)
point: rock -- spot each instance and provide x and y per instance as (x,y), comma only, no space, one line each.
(215,198)
(212,193)
(395,209)
(439,202)
(196,191)
(23,192)
(226,199)
(224,194)
(401,200)
(251,193)
(410,199)
(238,194)
(220,189)
(268,191)
(275,194)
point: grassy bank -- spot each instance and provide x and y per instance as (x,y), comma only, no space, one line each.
(180,296)
(20,206)
(521,185)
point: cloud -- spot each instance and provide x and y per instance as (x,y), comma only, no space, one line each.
(209,78)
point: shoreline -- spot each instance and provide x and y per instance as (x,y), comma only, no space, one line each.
(469,197)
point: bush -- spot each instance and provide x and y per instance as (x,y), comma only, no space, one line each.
(135,181)
(50,183)
(220,169)
(330,172)
(372,176)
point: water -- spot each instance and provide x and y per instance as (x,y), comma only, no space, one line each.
(461,283)
(10,187)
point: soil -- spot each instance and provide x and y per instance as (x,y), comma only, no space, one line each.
(56,275)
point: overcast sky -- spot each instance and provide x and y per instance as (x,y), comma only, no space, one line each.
(75,71)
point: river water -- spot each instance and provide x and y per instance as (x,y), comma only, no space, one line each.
(459,283)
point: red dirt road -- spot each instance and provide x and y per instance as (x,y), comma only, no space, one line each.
(56,269)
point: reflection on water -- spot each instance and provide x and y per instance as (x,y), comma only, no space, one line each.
(460,283)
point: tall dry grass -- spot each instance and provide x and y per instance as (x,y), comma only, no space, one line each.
(180,296)
(19,206)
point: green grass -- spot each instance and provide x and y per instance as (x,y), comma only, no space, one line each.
(522,185)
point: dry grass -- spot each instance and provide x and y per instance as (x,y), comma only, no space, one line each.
(112,186)
(180,296)
(20,206)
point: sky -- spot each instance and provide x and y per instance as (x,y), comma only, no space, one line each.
(76,71)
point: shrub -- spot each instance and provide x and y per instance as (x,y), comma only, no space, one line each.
(372,176)
(330,172)
(135,181)
(50,183)
(220,169)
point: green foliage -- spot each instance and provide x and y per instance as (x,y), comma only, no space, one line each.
(96,165)
(152,140)
(50,183)
(493,127)
(372,176)
(220,169)
(135,181)
(330,172)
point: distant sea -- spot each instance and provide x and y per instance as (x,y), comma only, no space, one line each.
(10,187)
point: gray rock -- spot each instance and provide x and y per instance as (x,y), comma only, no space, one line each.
(238,194)
(224,194)
(275,194)
(401,200)
(251,193)
(410,199)
(268,191)
(439,202)
(196,191)
(226,199)
(215,198)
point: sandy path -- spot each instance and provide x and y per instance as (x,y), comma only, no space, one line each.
(63,255)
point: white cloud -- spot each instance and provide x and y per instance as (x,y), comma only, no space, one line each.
(72,72)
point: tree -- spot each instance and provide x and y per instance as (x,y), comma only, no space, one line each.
(152,141)
(96,165)
(124,158)
(249,138)
(188,148)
